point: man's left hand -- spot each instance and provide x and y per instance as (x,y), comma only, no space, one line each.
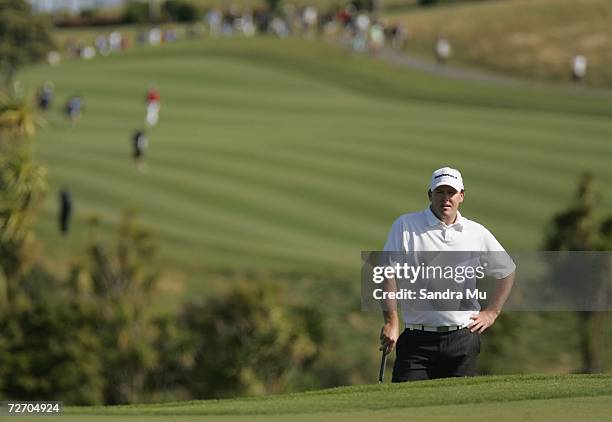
(483,320)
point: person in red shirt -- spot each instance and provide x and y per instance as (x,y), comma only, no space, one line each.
(153,105)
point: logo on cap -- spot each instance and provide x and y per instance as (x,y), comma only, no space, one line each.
(446,176)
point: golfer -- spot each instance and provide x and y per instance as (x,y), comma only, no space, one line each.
(441,343)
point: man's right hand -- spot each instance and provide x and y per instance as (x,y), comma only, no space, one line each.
(388,336)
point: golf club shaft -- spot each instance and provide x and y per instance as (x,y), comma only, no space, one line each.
(383,363)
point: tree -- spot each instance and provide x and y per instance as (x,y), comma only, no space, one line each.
(577,229)
(24,38)
(119,281)
(41,358)
(23,184)
(246,342)
(49,345)
(88,340)
(22,188)
(18,119)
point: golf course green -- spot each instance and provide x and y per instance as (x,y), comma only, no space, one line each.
(505,398)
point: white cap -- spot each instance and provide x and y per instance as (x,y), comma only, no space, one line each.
(446,176)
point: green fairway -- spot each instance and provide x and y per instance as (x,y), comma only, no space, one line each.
(569,409)
(294,155)
(569,397)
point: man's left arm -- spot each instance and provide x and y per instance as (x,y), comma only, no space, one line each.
(485,318)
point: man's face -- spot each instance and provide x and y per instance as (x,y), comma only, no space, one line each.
(445,201)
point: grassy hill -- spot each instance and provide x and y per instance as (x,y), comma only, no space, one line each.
(290,157)
(295,156)
(533,39)
(510,398)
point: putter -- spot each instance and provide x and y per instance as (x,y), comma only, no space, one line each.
(383,363)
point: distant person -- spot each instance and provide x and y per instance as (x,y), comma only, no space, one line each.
(126,44)
(54,58)
(102,45)
(139,145)
(310,20)
(45,96)
(228,20)
(114,41)
(443,50)
(142,37)
(399,36)
(279,27)
(169,35)
(377,38)
(155,36)
(153,104)
(65,203)
(87,52)
(362,26)
(73,108)
(579,68)
(344,17)
(262,19)
(248,24)
(214,21)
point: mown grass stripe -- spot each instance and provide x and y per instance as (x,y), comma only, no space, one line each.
(386,396)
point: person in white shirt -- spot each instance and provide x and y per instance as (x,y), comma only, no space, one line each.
(440,343)
(579,67)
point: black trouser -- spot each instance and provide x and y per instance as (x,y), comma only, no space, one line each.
(422,355)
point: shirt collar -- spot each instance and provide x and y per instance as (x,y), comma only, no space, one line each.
(432,220)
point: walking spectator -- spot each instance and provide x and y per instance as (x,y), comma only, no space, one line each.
(126,44)
(45,96)
(362,26)
(247,24)
(262,19)
(345,17)
(579,68)
(65,203)
(102,45)
(142,38)
(169,35)
(310,20)
(213,20)
(153,105)
(54,58)
(279,27)
(377,38)
(230,16)
(399,36)
(73,108)
(443,49)
(139,144)
(155,36)
(87,52)
(114,40)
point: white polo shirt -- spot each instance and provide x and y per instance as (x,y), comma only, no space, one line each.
(422,231)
